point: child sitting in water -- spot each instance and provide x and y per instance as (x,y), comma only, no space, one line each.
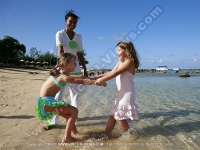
(47,106)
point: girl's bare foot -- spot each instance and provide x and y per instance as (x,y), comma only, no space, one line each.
(67,139)
(78,135)
(46,128)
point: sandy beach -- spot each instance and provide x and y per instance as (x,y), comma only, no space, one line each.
(18,93)
(20,127)
(169,120)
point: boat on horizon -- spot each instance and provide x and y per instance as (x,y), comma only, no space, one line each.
(176,69)
(162,68)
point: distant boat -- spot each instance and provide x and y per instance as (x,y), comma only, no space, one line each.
(162,68)
(176,69)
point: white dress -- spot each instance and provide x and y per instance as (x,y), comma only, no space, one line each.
(124,106)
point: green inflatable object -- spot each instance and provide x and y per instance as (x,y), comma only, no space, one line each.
(72,44)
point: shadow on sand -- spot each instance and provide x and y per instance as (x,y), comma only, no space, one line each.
(17,117)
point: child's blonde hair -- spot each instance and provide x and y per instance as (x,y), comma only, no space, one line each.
(130,51)
(64,57)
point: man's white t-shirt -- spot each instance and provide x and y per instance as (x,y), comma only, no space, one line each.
(62,39)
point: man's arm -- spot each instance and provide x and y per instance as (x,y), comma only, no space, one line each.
(60,50)
(81,59)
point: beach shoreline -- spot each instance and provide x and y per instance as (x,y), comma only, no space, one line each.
(168,121)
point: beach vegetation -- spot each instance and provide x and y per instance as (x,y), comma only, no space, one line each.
(11,48)
(34,53)
(13,53)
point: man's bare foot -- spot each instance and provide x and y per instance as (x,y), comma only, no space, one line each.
(67,139)
(46,128)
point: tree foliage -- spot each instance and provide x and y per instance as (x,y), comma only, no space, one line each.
(48,57)
(26,57)
(34,53)
(11,48)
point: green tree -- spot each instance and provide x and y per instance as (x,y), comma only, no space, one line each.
(48,57)
(11,48)
(26,57)
(34,53)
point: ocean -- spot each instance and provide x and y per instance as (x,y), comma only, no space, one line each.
(169,114)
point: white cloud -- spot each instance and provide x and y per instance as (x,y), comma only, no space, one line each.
(21,28)
(194,59)
(100,38)
(119,36)
(160,61)
(191,62)
(51,51)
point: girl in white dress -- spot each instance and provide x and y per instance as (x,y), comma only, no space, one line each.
(124,106)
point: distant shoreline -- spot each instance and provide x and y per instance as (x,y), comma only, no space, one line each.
(34,67)
(93,72)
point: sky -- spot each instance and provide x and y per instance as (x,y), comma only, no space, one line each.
(164,32)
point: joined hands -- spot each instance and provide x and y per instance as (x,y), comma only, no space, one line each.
(100,82)
(89,81)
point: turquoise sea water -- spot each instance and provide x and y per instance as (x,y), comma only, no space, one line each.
(169,113)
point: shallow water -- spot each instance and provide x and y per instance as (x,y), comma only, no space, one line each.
(169,114)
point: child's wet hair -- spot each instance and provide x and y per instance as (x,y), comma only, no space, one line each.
(64,57)
(130,51)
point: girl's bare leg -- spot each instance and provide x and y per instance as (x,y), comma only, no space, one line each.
(123,125)
(70,114)
(110,124)
(70,128)
(74,130)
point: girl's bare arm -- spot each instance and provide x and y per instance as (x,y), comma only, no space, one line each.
(116,71)
(78,80)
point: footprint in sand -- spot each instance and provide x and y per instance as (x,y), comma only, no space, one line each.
(4,105)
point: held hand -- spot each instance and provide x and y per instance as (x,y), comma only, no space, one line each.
(100,82)
(97,82)
(104,84)
(89,81)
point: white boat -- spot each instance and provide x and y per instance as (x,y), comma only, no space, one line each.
(176,69)
(162,68)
